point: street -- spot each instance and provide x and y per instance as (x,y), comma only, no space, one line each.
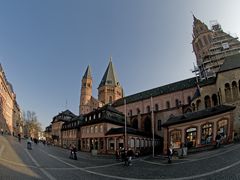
(49,162)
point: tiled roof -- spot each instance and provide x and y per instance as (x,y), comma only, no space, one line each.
(177,86)
(88,73)
(188,117)
(231,62)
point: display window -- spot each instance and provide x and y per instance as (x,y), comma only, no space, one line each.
(207,133)
(175,138)
(222,127)
(191,137)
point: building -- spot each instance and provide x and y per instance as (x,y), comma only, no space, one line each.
(197,108)
(109,90)
(57,123)
(10,113)
(211,47)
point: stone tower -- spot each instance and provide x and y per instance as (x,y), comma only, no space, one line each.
(86,92)
(211,47)
(109,89)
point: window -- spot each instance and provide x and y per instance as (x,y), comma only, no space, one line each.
(177,102)
(96,129)
(234,90)
(167,104)
(156,107)
(175,138)
(191,136)
(110,99)
(91,129)
(101,128)
(159,125)
(228,92)
(130,112)
(207,133)
(214,99)
(222,127)
(189,99)
(148,109)
(138,111)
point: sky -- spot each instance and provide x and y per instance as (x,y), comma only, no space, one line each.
(46,46)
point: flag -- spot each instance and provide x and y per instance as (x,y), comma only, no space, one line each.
(197,92)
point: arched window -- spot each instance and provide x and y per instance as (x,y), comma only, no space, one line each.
(198,104)
(214,100)
(167,104)
(189,99)
(138,111)
(228,94)
(207,133)
(96,129)
(177,102)
(193,107)
(135,124)
(207,102)
(235,90)
(148,109)
(148,125)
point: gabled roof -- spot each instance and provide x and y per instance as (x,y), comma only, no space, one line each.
(230,63)
(66,113)
(88,73)
(188,117)
(110,76)
(169,88)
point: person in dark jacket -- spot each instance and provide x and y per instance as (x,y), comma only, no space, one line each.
(170,154)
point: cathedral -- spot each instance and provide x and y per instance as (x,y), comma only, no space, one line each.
(109,90)
(190,112)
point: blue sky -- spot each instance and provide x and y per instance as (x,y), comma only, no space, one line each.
(46,46)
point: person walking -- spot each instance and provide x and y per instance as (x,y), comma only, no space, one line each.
(129,157)
(170,154)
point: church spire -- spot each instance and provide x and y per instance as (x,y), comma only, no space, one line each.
(88,73)
(109,77)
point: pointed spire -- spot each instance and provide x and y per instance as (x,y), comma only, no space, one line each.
(110,77)
(88,73)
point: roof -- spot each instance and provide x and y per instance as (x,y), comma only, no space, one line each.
(88,73)
(108,114)
(169,88)
(231,62)
(109,77)
(66,113)
(121,130)
(188,117)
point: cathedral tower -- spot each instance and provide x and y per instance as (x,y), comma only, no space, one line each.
(86,92)
(109,89)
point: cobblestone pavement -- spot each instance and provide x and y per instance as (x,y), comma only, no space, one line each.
(49,162)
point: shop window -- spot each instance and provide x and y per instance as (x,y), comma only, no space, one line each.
(222,127)
(175,138)
(207,133)
(191,137)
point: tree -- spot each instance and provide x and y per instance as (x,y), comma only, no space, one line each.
(31,124)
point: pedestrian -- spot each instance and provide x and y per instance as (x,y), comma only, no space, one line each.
(74,152)
(170,154)
(129,157)
(218,140)
(2,131)
(29,144)
(71,151)
(122,154)
(19,137)
(117,154)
